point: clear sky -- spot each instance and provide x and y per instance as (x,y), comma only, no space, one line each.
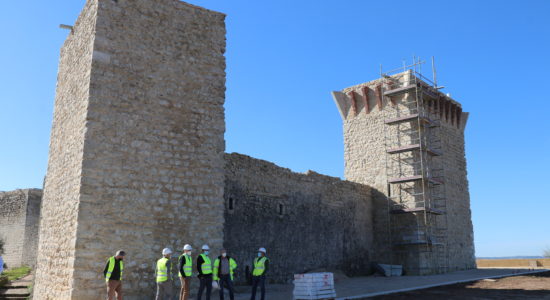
(283,59)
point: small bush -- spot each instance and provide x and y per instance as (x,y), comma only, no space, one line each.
(16,273)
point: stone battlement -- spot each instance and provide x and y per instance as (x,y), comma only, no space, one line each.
(376,94)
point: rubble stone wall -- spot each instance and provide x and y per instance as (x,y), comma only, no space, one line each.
(305,221)
(19,222)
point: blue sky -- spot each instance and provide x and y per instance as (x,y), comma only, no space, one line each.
(283,59)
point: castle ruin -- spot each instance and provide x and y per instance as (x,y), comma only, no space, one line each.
(137,162)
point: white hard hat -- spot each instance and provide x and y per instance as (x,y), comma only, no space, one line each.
(205,247)
(262,250)
(187,247)
(166,251)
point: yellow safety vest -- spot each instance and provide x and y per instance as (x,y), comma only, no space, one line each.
(162,270)
(259,266)
(187,267)
(111,267)
(206,267)
(232,267)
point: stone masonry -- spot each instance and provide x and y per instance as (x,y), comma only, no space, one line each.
(305,221)
(136,152)
(365,162)
(19,218)
(137,162)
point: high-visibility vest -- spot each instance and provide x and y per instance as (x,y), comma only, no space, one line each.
(162,270)
(187,267)
(112,262)
(259,266)
(206,266)
(232,267)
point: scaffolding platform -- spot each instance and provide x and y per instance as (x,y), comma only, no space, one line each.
(414,178)
(414,168)
(418,242)
(400,90)
(412,148)
(408,118)
(417,209)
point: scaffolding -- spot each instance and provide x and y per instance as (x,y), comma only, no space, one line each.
(417,218)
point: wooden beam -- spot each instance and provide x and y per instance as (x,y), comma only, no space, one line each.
(440,106)
(452,113)
(353,103)
(366,98)
(447,109)
(458,115)
(378,92)
(389,87)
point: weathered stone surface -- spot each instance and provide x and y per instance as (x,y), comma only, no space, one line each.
(365,162)
(305,221)
(136,158)
(136,163)
(19,221)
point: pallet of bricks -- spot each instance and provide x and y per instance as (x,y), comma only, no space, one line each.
(314,286)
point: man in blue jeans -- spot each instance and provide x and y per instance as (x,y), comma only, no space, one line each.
(261,265)
(224,269)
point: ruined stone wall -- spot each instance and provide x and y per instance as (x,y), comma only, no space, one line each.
(136,158)
(19,222)
(305,221)
(365,162)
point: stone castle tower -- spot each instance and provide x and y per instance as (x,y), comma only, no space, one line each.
(137,139)
(405,138)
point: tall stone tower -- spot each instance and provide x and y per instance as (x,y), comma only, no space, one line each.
(136,151)
(405,138)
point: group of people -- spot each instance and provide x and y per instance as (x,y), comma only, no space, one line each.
(221,273)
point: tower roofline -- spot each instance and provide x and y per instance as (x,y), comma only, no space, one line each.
(379,92)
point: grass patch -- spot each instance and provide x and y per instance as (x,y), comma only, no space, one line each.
(16,273)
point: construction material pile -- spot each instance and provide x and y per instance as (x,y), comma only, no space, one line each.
(314,286)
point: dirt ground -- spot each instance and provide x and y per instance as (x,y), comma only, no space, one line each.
(535,286)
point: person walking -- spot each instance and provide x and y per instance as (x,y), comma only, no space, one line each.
(163,273)
(224,267)
(113,275)
(204,266)
(261,265)
(185,267)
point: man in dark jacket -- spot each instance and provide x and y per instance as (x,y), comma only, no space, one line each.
(224,269)
(185,267)
(113,275)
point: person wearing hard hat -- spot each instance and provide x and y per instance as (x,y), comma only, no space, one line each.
(204,266)
(185,267)
(113,275)
(163,273)
(224,267)
(261,264)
